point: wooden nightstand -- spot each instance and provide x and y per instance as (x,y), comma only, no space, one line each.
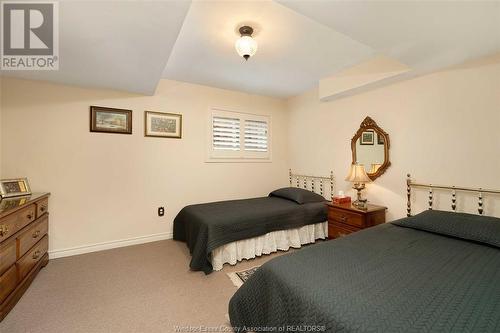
(345,219)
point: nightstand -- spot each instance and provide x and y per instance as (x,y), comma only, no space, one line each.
(345,219)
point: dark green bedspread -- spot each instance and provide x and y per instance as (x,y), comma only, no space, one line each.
(204,227)
(383,279)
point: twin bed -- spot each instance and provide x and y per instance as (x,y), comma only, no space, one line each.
(229,231)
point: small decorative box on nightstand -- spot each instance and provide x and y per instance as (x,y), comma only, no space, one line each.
(345,219)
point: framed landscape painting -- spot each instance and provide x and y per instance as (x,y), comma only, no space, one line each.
(163,125)
(110,120)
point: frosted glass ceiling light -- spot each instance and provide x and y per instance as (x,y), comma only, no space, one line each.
(246,46)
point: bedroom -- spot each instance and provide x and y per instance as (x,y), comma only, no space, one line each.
(427,74)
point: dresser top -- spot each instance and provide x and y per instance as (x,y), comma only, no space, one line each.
(369,207)
(9,205)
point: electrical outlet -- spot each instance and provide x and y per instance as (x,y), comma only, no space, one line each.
(161,211)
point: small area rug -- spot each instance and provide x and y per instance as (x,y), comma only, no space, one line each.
(238,278)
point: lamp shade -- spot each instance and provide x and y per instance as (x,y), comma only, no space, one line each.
(246,46)
(357,174)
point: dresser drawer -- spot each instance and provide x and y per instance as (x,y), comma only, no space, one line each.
(11,224)
(8,282)
(335,230)
(346,217)
(42,207)
(33,234)
(29,260)
(7,255)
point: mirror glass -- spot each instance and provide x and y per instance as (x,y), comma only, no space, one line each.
(370,151)
(370,147)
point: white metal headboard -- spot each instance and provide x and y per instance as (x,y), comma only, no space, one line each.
(453,189)
(312,183)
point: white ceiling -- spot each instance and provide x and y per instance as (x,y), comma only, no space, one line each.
(293,50)
(130,45)
(422,34)
(120,45)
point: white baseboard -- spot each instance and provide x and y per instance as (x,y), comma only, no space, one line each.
(73,251)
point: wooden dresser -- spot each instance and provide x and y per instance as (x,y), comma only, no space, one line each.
(24,224)
(345,219)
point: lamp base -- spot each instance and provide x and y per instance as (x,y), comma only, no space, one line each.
(359,203)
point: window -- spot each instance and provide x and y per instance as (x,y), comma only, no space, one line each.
(236,136)
(255,135)
(225,133)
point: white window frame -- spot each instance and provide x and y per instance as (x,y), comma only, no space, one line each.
(241,155)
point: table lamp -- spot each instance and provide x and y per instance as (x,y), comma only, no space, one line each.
(357,175)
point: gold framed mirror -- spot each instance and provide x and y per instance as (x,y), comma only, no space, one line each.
(370,147)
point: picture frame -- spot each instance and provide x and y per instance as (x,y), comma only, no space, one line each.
(380,139)
(367,138)
(14,187)
(162,125)
(110,120)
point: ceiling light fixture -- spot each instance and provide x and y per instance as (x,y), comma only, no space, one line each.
(246,46)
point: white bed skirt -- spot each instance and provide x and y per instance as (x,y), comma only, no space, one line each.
(271,242)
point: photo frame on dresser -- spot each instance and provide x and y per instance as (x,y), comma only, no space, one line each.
(14,187)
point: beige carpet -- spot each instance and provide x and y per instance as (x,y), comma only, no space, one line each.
(142,288)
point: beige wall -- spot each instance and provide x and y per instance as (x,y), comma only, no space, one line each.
(443,129)
(107,187)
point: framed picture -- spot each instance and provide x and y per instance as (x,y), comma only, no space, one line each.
(367,138)
(14,187)
(380,139)
(163,125)
(109,120)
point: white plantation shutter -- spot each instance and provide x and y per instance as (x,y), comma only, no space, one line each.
(236,136)
(255,135)
(225,133)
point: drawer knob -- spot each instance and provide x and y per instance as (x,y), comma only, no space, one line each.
(4,230)
(29,216)
(43,208)
(36,234)
(343,218)
(36,254)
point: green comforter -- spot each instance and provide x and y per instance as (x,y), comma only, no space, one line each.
(384,279)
